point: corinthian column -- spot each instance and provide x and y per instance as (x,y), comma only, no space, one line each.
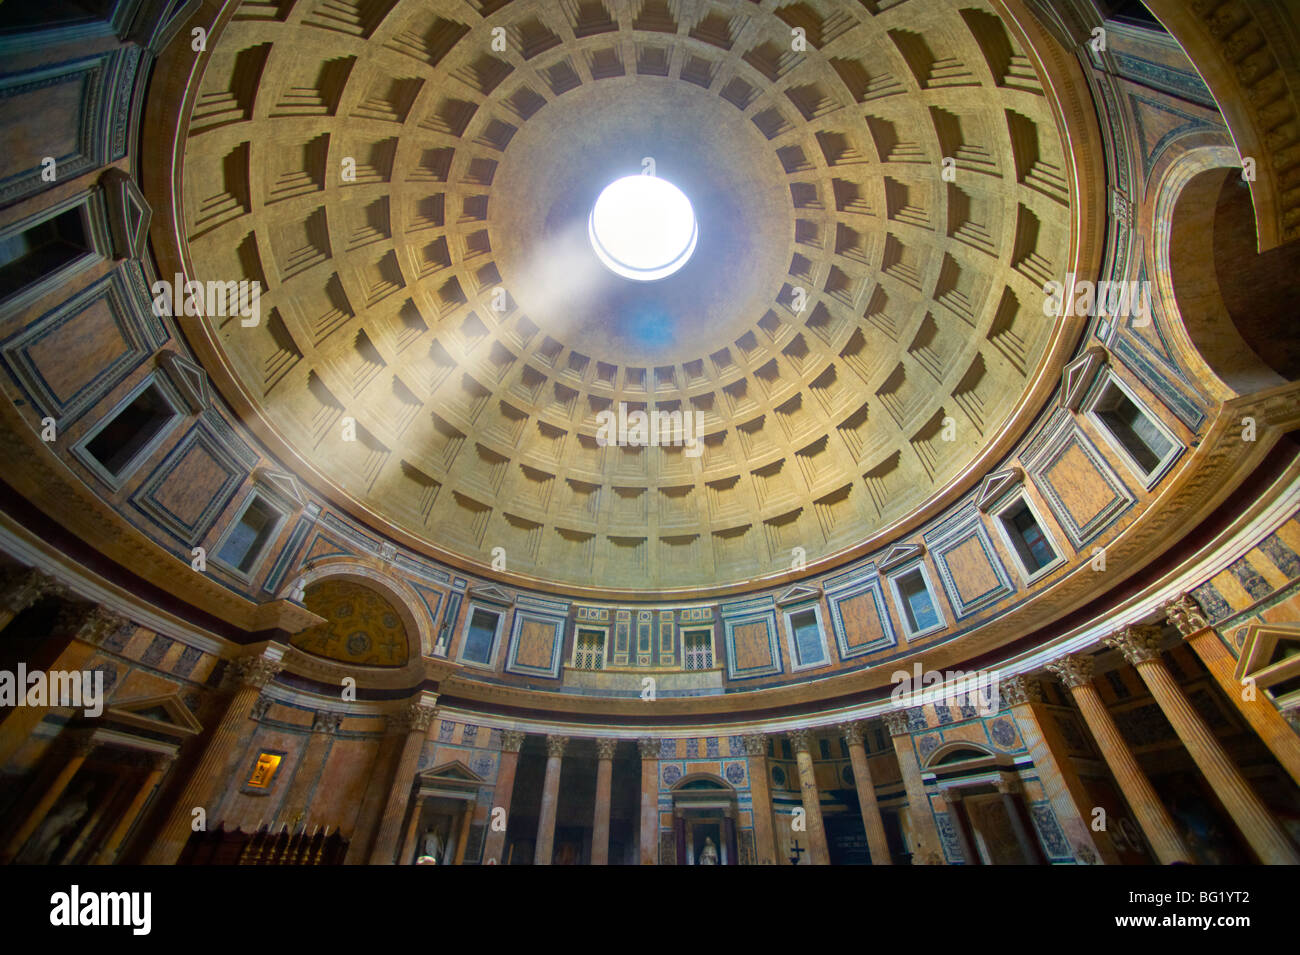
(871,821)
(1264,718)
(1075,672)
(1141,648)
(1061,783)
(818,854)
(417,716)
(550,800)
(604,784)
(495,841)
(208,778)
(649,748)
(925,835)
(760,792)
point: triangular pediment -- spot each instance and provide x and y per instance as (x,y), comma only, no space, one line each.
(900,553)
(190,380)
(493,594)
(996,485)
(798,594)
(1078,375)
(285,485)
(454,771)
(164,714)
(1270,654)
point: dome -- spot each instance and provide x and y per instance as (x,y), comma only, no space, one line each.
(764,432)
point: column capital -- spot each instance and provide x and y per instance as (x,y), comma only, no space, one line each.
(555,745)
(23,586)
(896,720)
(254,671)
(605,748)
(1073,670)
(1186,614)
(1139,643)
(649,747)
(1020,689)
(852,732)
(90,622)
(755,744)
(326,722)
(512,741)
(951,794)
(417,717)
(801,740)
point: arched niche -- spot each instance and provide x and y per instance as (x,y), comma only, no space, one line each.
(357,600)
(1230,306)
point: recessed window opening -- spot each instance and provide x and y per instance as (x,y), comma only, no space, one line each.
(30,255)
(807,637)
(250,535)
(481,635)
(1031,544)
(130,430)
(918,604)
(697,650)
(1135,431)
(589,650)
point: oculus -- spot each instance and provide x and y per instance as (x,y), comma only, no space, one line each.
(643,228)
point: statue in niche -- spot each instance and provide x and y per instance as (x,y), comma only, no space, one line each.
(709,854)
(58,825)
(433,848)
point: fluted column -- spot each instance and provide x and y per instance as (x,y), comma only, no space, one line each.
(649,849)
(1061,783)
(495,841)
(925,835)
(1141,647)
(550,800)
(604,784)
(961,827)
(77,749)
(323,727)
(406,856)
(462,841)
(1075,672)
(760,792)
(88,625)
(21,588)
(870,808)
(159,763)
(1013,803)
(375,797)
(818,854)
(208,778)
(1263,716)
(418,717)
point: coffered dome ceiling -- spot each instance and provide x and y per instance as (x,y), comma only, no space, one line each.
(446,299)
